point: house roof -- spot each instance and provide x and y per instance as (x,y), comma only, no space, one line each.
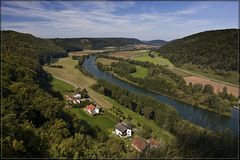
(90,107)
(139,143)
(153,142)
(121,127)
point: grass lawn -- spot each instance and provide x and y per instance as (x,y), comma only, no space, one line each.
(105,61)
(136,118)
(104,122)
(156,60)
(61,86)
(141,72)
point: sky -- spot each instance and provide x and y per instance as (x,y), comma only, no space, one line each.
(145,20)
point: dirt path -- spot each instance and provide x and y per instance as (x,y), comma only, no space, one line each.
(73,76)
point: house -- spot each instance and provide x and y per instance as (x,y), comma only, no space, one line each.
(72,99)
(123,130)
(153,143)
(92,109)
(78,96)
(139,144)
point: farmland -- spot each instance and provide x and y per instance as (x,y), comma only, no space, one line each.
(229,76)
(105,61)
(141,72)
(129,54)
(85,52)
(71,74)
(155,60)
(218,87)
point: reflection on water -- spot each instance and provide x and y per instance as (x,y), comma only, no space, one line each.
(195,115)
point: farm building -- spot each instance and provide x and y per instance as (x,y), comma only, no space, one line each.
(78,96)
(72,99)
(92,109)
(139,144)
(123,130)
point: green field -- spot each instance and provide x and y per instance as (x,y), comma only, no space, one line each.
(104,122)
(105,61)
(61,86)
(231,77)
(141,72)
(137,118)
(156,60)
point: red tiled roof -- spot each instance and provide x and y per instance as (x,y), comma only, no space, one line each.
(139,144)
(90,107)
(153,142)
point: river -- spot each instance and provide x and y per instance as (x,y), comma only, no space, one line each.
(198,116)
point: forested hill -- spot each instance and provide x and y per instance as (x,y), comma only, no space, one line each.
(34,124)
(72,44)
(29,45)
(156,42)
(216,49)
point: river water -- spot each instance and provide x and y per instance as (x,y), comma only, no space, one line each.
(195,115)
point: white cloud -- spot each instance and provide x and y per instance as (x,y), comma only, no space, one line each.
(97,19)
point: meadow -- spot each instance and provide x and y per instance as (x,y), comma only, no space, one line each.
(156,60)
(105,123)
(61,86)
(141,72)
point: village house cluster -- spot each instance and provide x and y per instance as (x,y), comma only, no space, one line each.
(78,100)
(124,130)
(121,129)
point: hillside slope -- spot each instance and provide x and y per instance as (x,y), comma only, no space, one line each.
(216,49)
(28,45)
(73,44)
(156,42)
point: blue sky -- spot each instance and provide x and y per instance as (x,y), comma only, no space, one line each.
(145,20)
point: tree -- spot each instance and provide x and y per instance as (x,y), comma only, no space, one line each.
(197,87)
(213,101)
(208,89)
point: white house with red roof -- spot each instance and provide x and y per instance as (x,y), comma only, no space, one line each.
(92,109)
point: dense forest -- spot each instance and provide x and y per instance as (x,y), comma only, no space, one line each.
(28,45)
(73,44)
(211,49)
(162,80)
(156,42)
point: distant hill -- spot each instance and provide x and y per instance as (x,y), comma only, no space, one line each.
(72,44)
(156,42)
(216,49)
(28,45)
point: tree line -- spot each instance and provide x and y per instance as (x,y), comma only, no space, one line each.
(162,80)
(191,141)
